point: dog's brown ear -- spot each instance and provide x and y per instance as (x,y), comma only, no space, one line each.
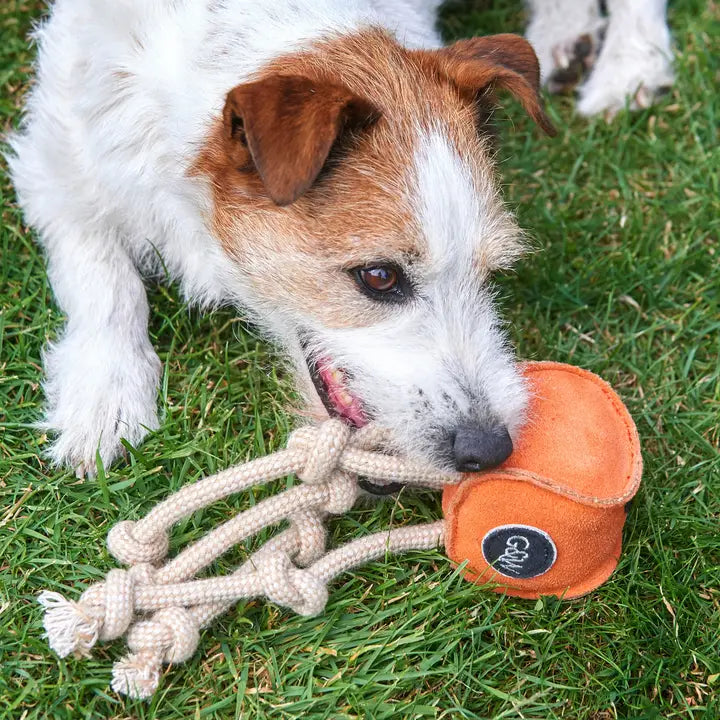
(288,124)
(483,64)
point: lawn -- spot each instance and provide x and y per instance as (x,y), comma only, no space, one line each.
(625,281)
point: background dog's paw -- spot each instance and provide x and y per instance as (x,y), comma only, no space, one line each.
(95,400)
(566,38)
(572,61)
(634,67)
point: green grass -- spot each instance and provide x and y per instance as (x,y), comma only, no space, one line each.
(625,282)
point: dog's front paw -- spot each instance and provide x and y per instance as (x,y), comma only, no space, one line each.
(95,399)
(633,69)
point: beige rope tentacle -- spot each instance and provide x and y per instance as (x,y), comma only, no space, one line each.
(267,512)
(326,458)
(282,582)
(146,541)
(74,627)
(268,567)
(413,537)
(111,602)
(138,673)
(171,637)
(275,577)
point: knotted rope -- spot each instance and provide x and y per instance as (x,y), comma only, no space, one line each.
(161,608)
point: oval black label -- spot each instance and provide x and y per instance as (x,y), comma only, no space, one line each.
(519,551)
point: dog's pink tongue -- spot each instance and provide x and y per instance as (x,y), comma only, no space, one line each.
(347,406)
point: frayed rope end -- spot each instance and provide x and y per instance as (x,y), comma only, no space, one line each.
(137,675)
(68,628)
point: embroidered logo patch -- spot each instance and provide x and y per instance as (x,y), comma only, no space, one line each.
(519,551)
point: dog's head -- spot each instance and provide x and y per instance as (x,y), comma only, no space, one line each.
(354,187)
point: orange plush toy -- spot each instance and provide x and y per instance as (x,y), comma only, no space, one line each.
(549,520)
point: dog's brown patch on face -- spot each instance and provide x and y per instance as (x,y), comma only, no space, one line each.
(311,166)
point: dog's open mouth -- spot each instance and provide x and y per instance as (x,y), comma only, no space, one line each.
(332,387)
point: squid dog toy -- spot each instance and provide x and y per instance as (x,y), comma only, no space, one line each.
(548,521)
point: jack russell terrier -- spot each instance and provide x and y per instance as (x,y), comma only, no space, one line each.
(325,165)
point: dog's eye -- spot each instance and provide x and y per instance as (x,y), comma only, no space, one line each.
(379,279)
(382,282)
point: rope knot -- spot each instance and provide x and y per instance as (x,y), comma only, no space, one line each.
(118,599)
(127,549)
(323,446)
(311,535)
(171,636)
(103,612)
(342,493)
(172,631)
(289,586)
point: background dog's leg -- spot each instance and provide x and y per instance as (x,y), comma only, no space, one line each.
(635,63)
(566,35)
(102,373)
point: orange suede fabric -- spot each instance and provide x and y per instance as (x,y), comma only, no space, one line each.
(575,465)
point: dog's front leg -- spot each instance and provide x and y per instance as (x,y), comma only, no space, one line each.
(102,373)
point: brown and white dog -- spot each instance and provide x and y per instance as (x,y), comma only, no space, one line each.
(326,166)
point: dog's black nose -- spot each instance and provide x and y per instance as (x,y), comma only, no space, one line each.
(478,448)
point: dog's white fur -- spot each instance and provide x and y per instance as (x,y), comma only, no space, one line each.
(448,359)
(126,93)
